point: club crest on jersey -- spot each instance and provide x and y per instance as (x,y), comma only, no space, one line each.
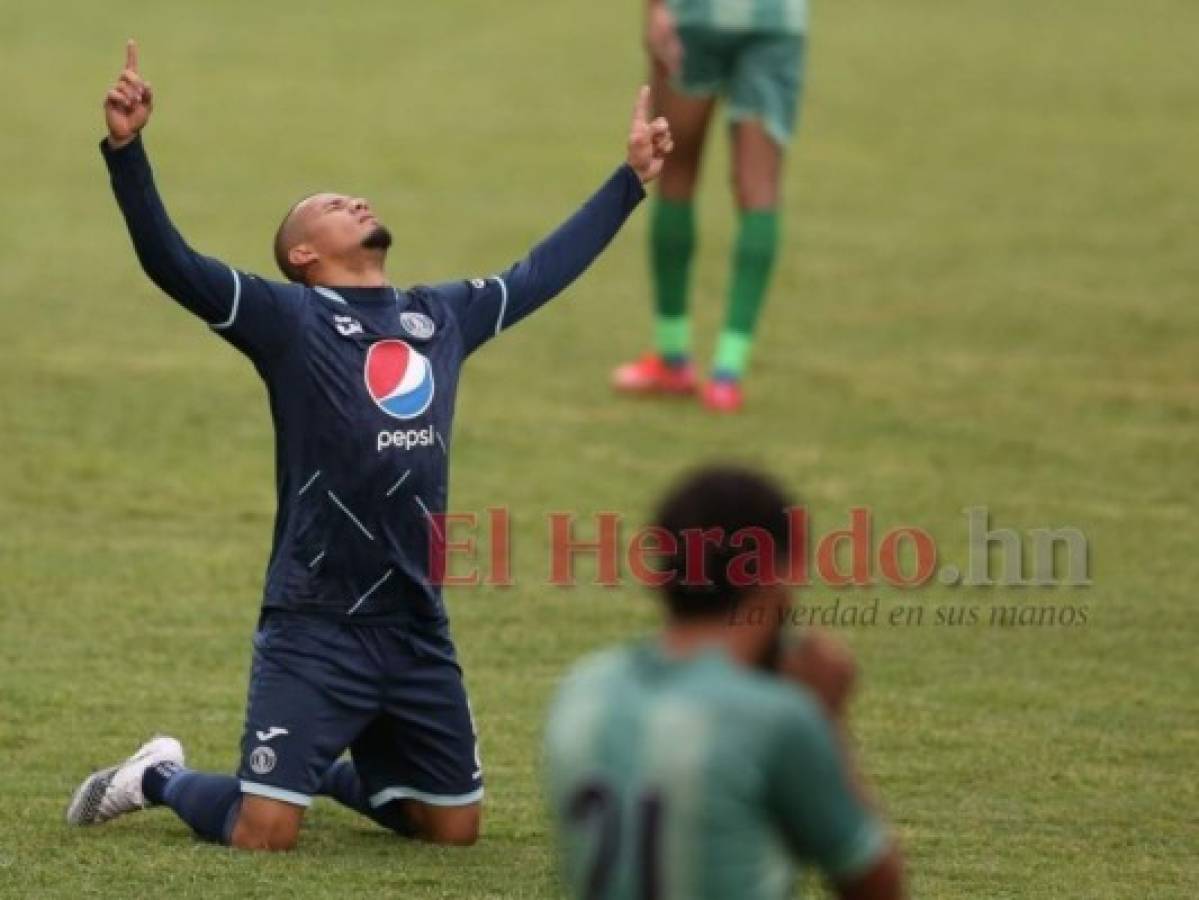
(398,378)
(347,326)
(417,324)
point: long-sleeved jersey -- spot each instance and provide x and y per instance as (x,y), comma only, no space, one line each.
(361,384)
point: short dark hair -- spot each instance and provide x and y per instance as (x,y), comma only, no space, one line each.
(290,272)
(728,499)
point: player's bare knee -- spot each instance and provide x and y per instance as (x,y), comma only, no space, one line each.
(755,191)
(756,168)
(268,825)
(271,839)
(457,826)
(458,832)
(282,841)
(679,175)
(678,190)
(454,836)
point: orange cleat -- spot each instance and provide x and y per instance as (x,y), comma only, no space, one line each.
(651,375)
(722,396)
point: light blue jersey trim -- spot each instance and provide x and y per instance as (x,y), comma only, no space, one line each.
(236,302)
(406,793)
(330,294)
(499,320)
(274,793)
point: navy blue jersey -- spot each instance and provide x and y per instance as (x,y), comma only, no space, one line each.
(361,383)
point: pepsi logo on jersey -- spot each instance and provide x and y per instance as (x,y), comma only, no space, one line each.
(398,378)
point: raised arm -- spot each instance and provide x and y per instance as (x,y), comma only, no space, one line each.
(250,312)
(485,307)
(820,796)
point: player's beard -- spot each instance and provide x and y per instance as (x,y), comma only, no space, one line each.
(378,239)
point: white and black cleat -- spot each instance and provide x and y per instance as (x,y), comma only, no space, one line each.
(117,790)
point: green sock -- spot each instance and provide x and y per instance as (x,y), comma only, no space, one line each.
(753,260)
(671,244)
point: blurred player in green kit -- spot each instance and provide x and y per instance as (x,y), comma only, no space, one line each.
(751,52)
(712,759)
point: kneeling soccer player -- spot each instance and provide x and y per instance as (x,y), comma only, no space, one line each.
(353,650)
(706,762)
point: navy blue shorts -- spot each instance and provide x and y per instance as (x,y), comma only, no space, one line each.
(394,699)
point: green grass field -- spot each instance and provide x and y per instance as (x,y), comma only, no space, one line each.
(987,297)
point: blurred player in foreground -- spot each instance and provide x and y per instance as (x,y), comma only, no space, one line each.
(353,648)
(706,762)
(752,53)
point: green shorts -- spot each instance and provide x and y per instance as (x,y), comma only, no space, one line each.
(760,73)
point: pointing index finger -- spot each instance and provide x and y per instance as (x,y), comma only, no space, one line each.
(641,109)
(131,54)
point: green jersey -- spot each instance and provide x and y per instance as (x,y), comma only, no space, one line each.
(780,16)
(697,778)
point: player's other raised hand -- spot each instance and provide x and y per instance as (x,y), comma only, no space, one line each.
(649,141)
(128,104)
(825,665)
